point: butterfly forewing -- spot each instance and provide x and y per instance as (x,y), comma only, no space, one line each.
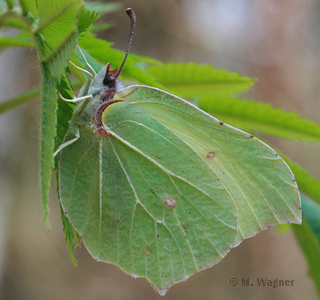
(257,179)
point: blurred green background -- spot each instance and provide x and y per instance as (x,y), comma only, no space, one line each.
(275,41)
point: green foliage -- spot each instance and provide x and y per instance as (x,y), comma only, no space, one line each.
(262,118)
(65,110)
(86,19)
(18,41)
(18,100)
(308,184)
(215,90)
(198,81)
(55,27)
(29,7)
(104,53)
(47,138)
(55,42)
(309,236)
(70,233)
(311,211)
(56,37)
(64,113)
(102,8)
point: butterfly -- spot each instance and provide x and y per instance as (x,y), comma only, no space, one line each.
(159,187)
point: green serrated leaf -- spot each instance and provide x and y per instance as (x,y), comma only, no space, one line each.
(58,61)
(102,51)
(102,26)
(192,80)
(215,88)
(86,18)
(261,117)
(47,137)
(70,235)
(52,15)
(56,33)
(308,184)
(29,7)
(65,110)
(64,114)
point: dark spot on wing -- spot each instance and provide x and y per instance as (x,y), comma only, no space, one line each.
(170,202)
(211,154)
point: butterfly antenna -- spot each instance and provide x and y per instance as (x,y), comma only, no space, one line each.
(132,17)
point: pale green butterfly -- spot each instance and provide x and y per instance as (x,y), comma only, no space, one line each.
(162,189)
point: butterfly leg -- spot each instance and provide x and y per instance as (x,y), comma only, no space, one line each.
(87,97)
(80,107)
(65,144)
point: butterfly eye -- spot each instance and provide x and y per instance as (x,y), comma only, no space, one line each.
(108,80)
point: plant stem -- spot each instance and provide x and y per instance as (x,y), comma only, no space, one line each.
(20,99)
(26,97)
